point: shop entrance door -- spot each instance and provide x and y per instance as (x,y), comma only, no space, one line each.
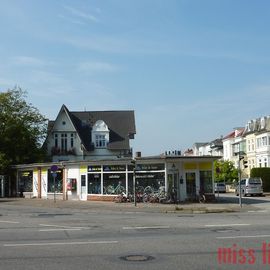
(173,186)
(191,185)
(83,187)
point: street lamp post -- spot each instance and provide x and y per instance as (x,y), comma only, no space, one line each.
(134,187)
(134,181)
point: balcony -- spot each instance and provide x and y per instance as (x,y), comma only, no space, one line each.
(56,151)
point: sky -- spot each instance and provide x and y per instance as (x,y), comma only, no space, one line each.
(192,70)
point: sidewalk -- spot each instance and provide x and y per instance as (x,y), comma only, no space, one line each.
(195,208)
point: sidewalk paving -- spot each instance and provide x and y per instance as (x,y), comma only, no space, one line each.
(195,208)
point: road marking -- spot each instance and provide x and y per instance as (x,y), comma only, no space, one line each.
(226,225)
(243,236)
(257,211)
(61,243)
(11,222)
(60,229)
(145,227)
(64,227)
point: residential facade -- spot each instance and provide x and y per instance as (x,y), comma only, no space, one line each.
(78,136)
(252,142)
(257,136)
(213,148)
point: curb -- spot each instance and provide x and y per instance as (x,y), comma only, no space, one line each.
(143,208)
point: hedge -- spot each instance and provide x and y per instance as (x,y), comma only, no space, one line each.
(264,173)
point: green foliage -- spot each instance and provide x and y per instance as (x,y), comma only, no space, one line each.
(264,173)
(22,130)
(225,171)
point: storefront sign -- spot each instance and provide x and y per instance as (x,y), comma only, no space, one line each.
(26,173)
(145,176)
(94,168)
(114,176)
(150,167)
(113,168)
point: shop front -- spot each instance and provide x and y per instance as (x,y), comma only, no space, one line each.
(181,178)
(104,182)
(150,177)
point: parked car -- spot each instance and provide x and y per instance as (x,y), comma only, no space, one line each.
(220,188)
(250,186)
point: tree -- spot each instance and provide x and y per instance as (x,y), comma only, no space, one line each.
(22,130)
(225,171)
(264,173)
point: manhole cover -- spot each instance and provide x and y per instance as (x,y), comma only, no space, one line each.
(137,258)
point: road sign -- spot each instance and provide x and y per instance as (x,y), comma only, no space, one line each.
(54,168)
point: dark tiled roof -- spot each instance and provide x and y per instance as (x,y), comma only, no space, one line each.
(120,123)
(217,143)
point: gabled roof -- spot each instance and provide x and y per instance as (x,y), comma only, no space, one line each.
(120,123)
(217,143)
(237,132)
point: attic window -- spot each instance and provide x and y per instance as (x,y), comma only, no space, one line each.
(100,134)
(63,123)
(100,141)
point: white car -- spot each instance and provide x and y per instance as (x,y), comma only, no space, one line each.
(250,186)
(220,188)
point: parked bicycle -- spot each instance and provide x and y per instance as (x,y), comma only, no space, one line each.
(123,198)
(206,197)
(111,190)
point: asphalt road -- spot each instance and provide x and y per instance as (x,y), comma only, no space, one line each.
(66,238)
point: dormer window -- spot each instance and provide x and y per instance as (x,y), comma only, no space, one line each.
(100,141)
(100,134)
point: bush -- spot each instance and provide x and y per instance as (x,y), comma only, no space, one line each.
(264,173)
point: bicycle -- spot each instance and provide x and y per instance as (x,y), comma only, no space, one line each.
(110,190)
(122,197)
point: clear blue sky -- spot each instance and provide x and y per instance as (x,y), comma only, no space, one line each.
(192,70)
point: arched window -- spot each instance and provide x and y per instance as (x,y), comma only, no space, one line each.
(100,134)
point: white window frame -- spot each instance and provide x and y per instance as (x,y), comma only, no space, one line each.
(100,141)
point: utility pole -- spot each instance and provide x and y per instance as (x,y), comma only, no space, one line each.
(239,176)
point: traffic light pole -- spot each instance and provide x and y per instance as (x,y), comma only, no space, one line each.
(239,184)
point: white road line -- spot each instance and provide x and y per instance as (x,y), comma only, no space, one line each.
(11,222)
(59,226)
(257,211)
(60,229)
(61,243)
(243,236)
(226,225)
(145,227)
